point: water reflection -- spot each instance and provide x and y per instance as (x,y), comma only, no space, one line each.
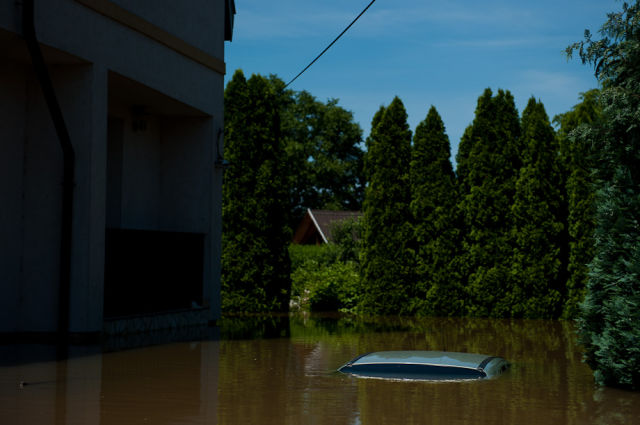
(168,384)
(281,370)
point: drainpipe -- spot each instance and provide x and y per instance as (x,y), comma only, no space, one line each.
(42,74)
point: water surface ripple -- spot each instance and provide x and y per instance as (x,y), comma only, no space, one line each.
(281,370)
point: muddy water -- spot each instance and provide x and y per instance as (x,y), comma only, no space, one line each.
(282,371)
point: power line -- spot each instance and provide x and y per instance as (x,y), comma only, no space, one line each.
(332,43)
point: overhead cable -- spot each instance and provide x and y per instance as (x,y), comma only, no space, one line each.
(332,43)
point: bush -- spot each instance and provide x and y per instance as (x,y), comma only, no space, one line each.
(320,282)
(323,254)
(347,236)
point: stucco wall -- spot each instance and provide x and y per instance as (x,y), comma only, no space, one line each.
(162,173)
(167,179)
(13,101)
(191,21)
(31,185)
(96,38)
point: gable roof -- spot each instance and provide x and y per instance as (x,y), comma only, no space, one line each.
(317,225)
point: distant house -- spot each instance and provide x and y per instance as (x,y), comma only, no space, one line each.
(111,117)
(316,227)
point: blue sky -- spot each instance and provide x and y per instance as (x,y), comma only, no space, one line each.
(442,53)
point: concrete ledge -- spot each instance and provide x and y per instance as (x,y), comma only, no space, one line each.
(135,22)
(155,322)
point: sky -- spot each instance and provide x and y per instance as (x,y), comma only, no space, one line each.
(442,53)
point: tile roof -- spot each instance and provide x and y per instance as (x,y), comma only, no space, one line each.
(316,226)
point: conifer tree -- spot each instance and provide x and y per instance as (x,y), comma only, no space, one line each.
(375,121)
(492,166)
(461,262)
(609,323)
(537,230)
(255,259)
(433,204)
(387,258)
(462,161)
(580,194)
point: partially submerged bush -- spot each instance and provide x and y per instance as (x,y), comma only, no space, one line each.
(320,282)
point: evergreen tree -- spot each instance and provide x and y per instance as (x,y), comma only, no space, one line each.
(433,205)
(537,231)
(462,160)
(387,258)
(586,112)
(609,323)
(492,166)
(580,194)
(375,121)
(461,262)
(255,259)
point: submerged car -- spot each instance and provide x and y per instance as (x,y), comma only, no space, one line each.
(425,365)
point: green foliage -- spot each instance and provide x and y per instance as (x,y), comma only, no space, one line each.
(288,152)
(586,112)
(537,231)
(369,166)
(580,192)
(491,168)
(610,320)
(324,254)
(324,157)
(321,281)
(462,160)
(610,315)
(255,260)
(387,260)
(332,287)
(347,235)
(433,201)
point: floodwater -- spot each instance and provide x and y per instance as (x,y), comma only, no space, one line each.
(281,370)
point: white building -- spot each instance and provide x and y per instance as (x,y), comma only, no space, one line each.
(139,84)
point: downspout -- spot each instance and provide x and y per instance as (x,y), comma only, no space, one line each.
(42,74)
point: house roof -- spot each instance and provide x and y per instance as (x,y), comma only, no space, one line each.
(317,225)
(229,12)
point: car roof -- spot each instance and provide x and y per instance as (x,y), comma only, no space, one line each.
(436,358)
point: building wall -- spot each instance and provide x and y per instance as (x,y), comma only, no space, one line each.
(165,180)
(31,186)
(159,174)
(83,98)
(192,24)
(13,101)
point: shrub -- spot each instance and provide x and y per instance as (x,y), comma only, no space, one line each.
(320,282)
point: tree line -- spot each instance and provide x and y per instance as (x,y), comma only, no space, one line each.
(534,222)
(505,235)
(491,239)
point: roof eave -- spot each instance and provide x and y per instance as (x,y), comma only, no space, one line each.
(229,13)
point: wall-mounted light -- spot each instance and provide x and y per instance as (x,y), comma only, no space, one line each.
(220,162)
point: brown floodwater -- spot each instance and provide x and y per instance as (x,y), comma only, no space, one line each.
(282,371)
